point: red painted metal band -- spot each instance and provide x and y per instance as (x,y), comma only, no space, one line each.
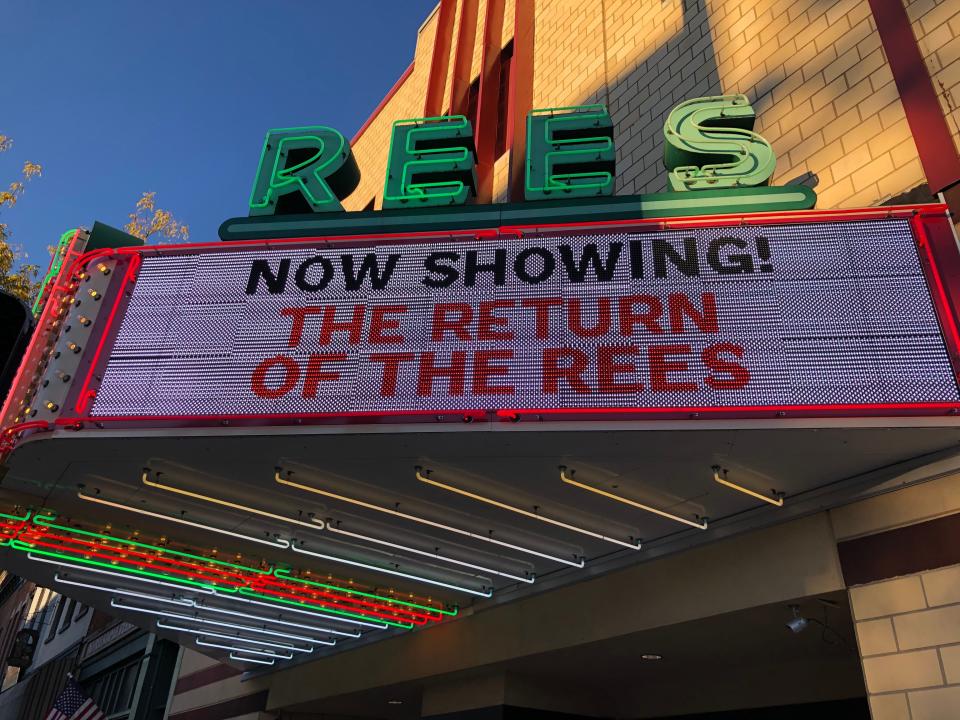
(520,94)
(463,58)
(940,259)
(440,61)
(488,100)
(938,154)
(86,393)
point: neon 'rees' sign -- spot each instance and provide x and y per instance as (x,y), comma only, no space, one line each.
(801,315)
(708,145)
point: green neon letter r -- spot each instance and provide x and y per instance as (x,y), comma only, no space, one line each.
(306,169)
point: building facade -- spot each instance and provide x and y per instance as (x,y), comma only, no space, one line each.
(126,671)
(843,118)
(817,74)
(832,587)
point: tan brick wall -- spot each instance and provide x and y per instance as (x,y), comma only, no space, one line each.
(936,24)
(814,70)
(908,632)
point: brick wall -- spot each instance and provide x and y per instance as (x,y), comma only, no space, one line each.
(813,69)
(908,631)
(936,24)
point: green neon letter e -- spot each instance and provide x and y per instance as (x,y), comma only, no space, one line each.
(431,162)
(570,153)
(302,170)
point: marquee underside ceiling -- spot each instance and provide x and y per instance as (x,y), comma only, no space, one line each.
(467,516)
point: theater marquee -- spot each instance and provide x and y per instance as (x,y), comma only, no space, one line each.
(802,315)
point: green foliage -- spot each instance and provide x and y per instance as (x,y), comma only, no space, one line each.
(147,221)
(16,276)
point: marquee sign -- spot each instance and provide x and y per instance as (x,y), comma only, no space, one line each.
(709,145)
(818,314)
(724,296)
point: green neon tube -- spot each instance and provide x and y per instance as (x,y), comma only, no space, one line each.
(56,262)
(16,545)
(320,608)
(43,521)
(282,573)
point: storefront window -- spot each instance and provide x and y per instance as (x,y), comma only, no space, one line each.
(114,689)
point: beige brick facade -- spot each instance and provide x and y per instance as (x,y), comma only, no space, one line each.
(936,25)
(908,632)
(908,627)
(815,72)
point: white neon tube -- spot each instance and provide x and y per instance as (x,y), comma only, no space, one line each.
(218,623)
(234,656)
(282,544)
(98,571)
(184,602)
(316,614)
(777,502)
(425,521)
(239,638)
(525,513)
(633,503)
(264,619)
(250,651)
(225,503)
(397,573)
(424,553)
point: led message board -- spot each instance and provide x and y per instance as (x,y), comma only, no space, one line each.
(803,314)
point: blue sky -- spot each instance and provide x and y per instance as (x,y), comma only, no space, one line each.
(118,97)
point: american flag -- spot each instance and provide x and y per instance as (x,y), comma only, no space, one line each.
(73,704)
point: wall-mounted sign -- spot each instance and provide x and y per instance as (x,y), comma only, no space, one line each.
(812,314)
(571,153)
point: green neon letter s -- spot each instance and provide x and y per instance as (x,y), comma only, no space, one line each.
(570,153)
(431,162)
(709,143)
(306,169)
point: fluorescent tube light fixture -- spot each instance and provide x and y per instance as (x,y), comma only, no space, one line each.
(433,556)
(776,500)
(206,590)
(239,638)
(219,623)
(702,525)
(520,511)
(318,614)
(395,573)
(277,621)
(224,503)
(183,602)
(424,521)
(249,651)
(279,543)
(234,656)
